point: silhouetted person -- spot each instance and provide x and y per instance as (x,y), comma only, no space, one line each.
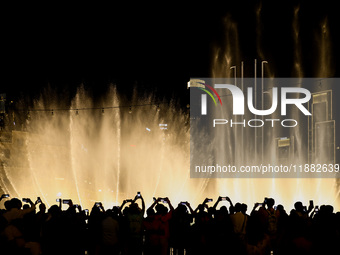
(74,227)
(160,244)
(180,227)
(256,231)
(15,229)
(110,234)
(325,234)
(270,218)
(31,230)
(134,220)
(239,221)
(15,211)
(200,229)
(221,228)
(299,228)
(215,231)
(151,226)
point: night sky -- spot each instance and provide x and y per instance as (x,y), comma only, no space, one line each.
(154,48)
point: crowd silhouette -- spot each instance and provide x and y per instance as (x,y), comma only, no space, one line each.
(30,228)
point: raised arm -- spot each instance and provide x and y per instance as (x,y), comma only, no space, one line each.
(203,205)
(310,209)
(60,202)
(123,204)
(143,203)
(189,206)
(28,210)
(199,206)
(231,207)
(169,203)
(254,208)
(219,199)
(101,207)
(4,196)
(155,201)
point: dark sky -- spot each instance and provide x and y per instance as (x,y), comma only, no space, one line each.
(96,47)
(156,48)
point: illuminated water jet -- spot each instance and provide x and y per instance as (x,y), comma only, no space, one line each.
(285,191)
(91,156)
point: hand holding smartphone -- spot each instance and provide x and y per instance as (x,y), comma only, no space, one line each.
(66,201)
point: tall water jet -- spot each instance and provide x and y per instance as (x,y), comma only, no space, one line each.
(324,65)
(297,71)
(259,37)
(92,151)
(224,56)
(303,189)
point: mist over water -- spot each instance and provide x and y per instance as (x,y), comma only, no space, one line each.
(100,151)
